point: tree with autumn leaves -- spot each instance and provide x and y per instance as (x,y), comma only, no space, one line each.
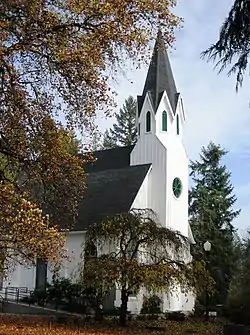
(33,198)
(25,232)
(132,251)
(57,58)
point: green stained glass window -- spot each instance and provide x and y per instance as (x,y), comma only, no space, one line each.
(177,187)
(148,122)
(164,121)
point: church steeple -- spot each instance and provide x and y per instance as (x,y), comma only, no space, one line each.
(159,78)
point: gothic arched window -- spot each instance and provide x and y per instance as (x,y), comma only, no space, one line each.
(177,125)
(164,121)
(148,122)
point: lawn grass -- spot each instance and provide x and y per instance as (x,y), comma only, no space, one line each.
(30,325)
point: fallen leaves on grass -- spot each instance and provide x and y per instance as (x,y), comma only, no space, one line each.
(31,325)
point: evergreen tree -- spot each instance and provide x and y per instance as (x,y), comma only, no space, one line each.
(238,303)
(211,213)
(108,141)
(123,132)
(233,45)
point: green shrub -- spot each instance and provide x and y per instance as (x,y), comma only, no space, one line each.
(62,293)
(236,312)
(115,311)
(141,317)
(31,299)
(199,309)
(176,316)
(37,297)
(151,305)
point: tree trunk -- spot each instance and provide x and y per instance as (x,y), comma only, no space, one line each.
(98,310)
(124,307)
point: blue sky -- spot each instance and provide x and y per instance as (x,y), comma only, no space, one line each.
(214,110)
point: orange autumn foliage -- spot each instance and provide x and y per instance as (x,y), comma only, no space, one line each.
(25,233)
(41,185)
(57,59)
(14,325)
(66,51)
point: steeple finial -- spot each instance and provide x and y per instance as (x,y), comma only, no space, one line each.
(160,77)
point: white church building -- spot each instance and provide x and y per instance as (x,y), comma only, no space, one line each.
(153,174)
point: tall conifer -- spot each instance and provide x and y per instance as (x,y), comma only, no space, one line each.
(211,214)
(123,132)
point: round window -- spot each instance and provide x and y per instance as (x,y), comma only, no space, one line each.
(177,187)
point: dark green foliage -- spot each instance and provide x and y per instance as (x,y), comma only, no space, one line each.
(65,295)
(151,305)
(211,213)
(233,46)
(37,297)
(115,311)
(124,130)
(141,317)
(199,309)
(176,316)
(62,292)
(108,141)
(238,303)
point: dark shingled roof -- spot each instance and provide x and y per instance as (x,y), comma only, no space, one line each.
(109,192)
(159,78)
(115,158)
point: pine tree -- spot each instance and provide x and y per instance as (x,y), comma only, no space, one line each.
(233,45)
(211,213)
(108,141)
(123,132)
(238,303)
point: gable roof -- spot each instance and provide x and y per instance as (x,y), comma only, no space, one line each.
(112,185)
(159,78)
(114,158)
(109,192)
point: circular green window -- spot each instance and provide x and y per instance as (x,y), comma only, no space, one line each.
(177,187)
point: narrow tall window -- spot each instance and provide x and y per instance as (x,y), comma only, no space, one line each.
(139,129)
(164,121)
(148,122)
(177,124)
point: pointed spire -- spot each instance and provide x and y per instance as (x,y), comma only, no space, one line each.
(160,77)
